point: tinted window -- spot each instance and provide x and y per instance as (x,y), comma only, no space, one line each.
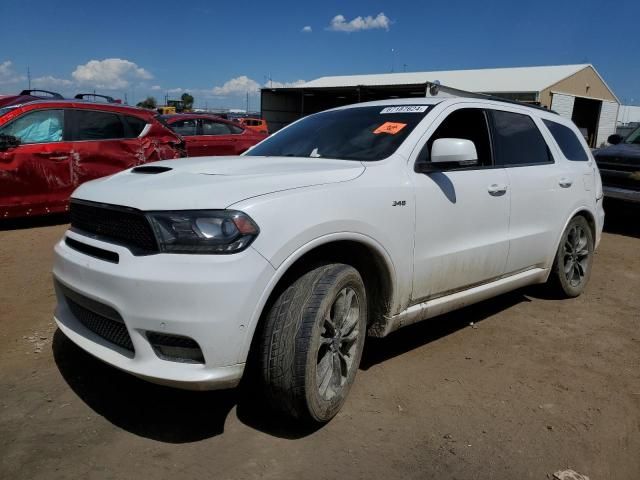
(359,133)
(517,140)
(567,141)
(467,123)
(184,127)
(41,126)
(211,127)
(91,125)
(135,125)
(235,130)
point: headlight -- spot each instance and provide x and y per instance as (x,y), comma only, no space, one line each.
(203,231)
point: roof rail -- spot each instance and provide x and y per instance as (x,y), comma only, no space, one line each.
(33,93)
(81,96)
(435,86)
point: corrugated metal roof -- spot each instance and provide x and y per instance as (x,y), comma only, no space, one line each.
(519,79)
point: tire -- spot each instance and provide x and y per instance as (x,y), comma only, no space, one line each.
(572,265)
(312,343)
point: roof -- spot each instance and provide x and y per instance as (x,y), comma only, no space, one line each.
(518,79)
(73,103)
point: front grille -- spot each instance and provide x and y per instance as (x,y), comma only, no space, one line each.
(111,330)
(125,226)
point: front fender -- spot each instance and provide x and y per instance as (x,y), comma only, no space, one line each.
(284,266)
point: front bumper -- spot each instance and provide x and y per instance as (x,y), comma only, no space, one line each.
(211,299)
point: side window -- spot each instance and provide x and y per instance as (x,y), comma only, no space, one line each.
(135,126)
(41,126)
(93,125)
(567,141)
(235,130)
(468,123)
(184,127)
(210,127)
(518,140)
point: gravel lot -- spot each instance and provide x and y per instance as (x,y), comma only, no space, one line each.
(536,385)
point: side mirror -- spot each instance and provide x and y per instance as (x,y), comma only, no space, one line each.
(8,141)
(449,153)
(615,139)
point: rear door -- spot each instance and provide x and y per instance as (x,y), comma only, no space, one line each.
(462,216)
(540,188)
(103,144)
(37,173)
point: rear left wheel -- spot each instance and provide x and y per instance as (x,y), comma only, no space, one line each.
(572,266)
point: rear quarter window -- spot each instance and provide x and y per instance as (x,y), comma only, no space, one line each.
(567,141)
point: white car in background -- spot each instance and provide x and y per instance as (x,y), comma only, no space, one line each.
(351,222)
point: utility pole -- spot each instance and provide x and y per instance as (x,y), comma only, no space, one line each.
(404,67)
(29,76)
(247,101)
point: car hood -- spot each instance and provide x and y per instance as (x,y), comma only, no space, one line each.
(622,154)
(213,182)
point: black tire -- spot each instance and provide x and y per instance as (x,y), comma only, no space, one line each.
(298,344)
(572,265)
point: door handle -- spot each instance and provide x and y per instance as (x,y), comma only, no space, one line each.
(565,182)
(497,190)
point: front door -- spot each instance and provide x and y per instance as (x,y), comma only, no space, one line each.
(216,138)
(462,216)
(36,175)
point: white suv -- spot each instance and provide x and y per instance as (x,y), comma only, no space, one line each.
(351,222)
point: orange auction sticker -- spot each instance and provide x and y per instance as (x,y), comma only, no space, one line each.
(390,127)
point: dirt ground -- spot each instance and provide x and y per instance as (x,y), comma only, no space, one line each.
(536,385)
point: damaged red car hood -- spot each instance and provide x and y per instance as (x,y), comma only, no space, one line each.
(213,182)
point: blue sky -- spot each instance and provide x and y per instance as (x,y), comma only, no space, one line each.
(220,50)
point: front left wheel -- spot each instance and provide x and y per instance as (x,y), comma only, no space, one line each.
(312,342)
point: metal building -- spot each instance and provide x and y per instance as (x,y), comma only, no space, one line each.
(574,91)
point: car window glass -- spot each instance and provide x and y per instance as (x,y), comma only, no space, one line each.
(184,127)
(135,124)
(210,127)
(567,141)
(518,140)
(466,123)
(356,133)
(41,126)
(235,130)
(93,125)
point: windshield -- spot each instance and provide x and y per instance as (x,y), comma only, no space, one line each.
(361,133)
(634,137)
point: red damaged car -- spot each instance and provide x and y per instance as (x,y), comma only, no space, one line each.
(211,135)
(49,147)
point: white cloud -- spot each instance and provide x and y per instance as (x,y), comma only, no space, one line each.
(49,81)
(156,88)
(274,84)
(237,86)
(176,90)
(8,74)
(340,24)
(307,29)
(110,73)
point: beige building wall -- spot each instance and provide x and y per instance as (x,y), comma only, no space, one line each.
(577,84)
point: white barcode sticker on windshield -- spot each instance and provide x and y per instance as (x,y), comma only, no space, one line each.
(405,109)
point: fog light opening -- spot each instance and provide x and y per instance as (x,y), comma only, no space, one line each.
(175,348)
